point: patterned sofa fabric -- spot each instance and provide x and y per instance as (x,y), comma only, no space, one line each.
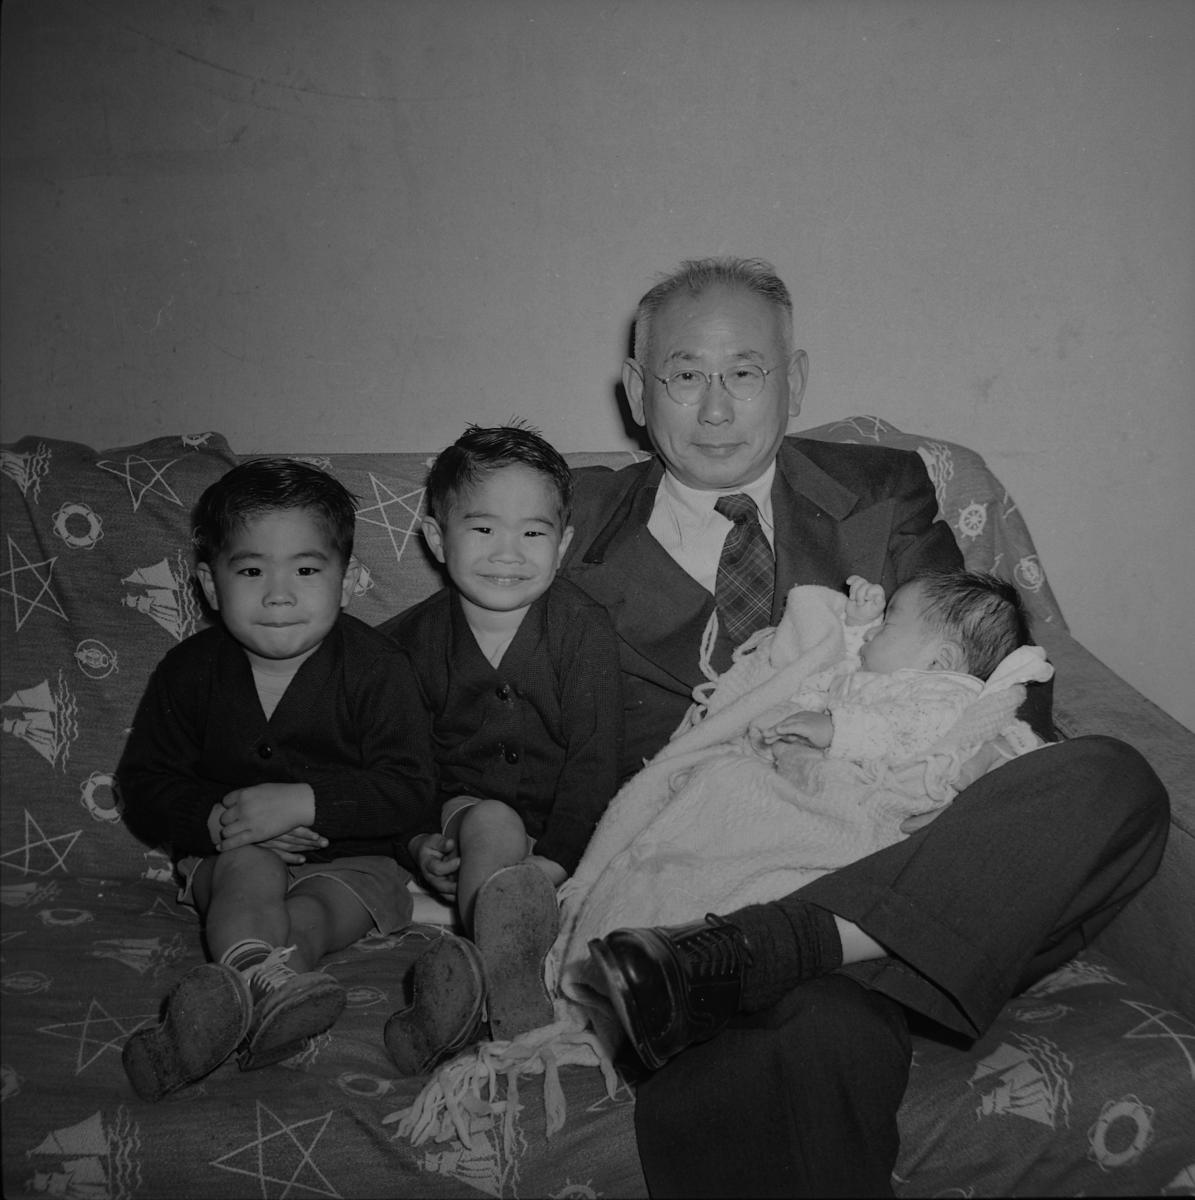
(1086,1085)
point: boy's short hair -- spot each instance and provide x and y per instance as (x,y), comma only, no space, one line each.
(265,485)
(983,613)
(481,450)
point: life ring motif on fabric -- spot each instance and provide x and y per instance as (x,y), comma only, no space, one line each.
(78,541)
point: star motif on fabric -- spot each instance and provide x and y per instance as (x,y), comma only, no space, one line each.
(404,508)
(1159,1029)
(143,476)
(281,1157)
(97,1032)
(39,585)
(32,843)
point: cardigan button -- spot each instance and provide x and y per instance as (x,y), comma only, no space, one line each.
(512,756)
(265,750)
(503,692)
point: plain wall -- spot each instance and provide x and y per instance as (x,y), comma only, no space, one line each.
(322,225)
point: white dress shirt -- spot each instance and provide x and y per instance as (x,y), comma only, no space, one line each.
(684,522)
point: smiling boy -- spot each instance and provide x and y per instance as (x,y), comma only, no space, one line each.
(269,754)
(520,718)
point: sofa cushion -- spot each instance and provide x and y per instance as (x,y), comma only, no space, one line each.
(1084,1086)
(97,584)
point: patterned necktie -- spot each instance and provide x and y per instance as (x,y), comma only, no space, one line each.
(746,571)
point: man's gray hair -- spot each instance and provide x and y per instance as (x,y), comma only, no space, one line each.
(695,275)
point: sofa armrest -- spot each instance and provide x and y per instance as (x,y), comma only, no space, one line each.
(1155,933)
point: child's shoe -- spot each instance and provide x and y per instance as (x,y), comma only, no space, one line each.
(444,1016)
(206,1016)
(515,922)
(288,1009)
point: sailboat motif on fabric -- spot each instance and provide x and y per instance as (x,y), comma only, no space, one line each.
(43,717)
(165,593)
(92,1160)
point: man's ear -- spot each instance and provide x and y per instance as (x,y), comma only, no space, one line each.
(632,382)
(434,538)
(208,583)
(798,377)
(950,657)
(348,585)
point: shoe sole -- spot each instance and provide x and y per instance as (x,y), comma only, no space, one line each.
(291,1026)
(618,991)
(207,999)
(437,1024)
(515,922)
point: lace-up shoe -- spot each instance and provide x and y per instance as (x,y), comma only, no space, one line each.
(515,922)
(288,1009)
(206,1016)
(445,1013)
(674,986)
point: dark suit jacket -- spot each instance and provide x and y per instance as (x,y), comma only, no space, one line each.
(839,509)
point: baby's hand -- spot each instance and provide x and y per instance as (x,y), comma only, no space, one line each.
(864,602)
(812,728)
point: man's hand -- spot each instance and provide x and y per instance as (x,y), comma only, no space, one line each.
(812,728)
(264,811)
(438,862)
(864,602)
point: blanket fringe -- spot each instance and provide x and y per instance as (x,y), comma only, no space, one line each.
(463,1098)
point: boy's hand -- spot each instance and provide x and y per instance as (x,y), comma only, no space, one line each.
(264,811)
(812,728)
(864,602)
(292,847)
(438,862)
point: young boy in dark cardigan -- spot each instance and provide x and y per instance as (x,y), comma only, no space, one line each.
(519,715)
(269,753)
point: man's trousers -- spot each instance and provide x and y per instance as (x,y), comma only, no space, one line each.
(1009,882)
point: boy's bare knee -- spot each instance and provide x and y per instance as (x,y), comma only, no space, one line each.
(491,823)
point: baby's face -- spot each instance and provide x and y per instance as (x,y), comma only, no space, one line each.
(903,641)
(502,540)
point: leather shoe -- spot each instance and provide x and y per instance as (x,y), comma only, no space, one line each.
(674,986)
(445,1013)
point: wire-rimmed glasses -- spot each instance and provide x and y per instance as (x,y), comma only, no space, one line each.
(689,386)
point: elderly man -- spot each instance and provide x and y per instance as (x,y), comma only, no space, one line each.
(780,1033)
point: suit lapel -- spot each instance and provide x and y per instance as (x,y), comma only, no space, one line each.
(820,526)
(659,608)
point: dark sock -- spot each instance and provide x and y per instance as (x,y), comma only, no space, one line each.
(789,944)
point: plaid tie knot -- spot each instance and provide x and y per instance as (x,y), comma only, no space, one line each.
(746,570)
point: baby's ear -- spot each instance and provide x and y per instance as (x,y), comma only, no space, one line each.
(950,657)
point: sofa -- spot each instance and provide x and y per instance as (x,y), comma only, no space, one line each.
(1085,1085)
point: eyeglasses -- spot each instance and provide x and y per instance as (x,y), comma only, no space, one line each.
(742,383)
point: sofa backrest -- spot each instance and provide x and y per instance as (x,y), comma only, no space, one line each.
(97,584)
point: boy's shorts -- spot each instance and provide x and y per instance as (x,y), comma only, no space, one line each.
(452,811)
(378,883)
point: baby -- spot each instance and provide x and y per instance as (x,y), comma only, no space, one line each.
(921,661)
